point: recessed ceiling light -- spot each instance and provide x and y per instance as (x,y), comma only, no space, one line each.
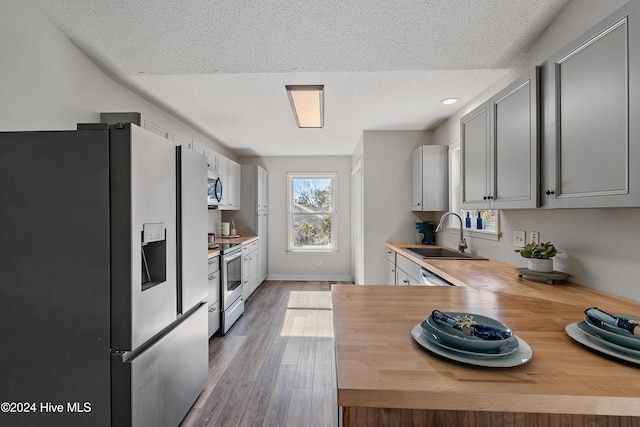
(449,101)
(307,103)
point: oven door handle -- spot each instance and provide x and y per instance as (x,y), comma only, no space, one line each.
(231,256)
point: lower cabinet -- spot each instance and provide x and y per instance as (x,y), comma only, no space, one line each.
(391,267)
(405,279)
(213,300)
(407,272)
(391,273)
(250,274)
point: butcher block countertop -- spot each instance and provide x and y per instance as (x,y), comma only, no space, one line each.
(500,277)
(241,239)
(383,374)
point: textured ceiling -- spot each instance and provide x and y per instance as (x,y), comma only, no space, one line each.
(221,65)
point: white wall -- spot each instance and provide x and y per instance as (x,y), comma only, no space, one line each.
(285,265)
(47,83)
(386,182)
(599,245)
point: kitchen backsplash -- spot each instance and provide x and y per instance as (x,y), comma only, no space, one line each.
(215,219)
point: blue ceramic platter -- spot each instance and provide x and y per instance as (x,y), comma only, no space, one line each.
(620,337)
(455,338)
(522,355)
(508,348)
(589,340)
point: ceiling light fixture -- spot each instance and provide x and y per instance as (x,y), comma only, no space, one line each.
(307,103)
(449,101)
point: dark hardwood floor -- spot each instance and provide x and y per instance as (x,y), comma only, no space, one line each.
(276,365)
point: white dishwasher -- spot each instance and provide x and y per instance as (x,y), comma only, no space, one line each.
(427,278)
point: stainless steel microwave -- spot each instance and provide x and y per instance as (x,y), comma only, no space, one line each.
(214,192)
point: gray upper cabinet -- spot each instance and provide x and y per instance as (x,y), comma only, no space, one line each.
(592,137)
(429,178)
(514,145)
(500,149)
(474,136)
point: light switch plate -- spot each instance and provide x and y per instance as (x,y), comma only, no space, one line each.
(534,237)
(518,238)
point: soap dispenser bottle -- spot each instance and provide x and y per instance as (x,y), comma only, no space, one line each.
(468,221)
(479,222)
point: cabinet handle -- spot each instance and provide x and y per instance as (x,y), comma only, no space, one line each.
(405,281)
(549,192)
(484,197)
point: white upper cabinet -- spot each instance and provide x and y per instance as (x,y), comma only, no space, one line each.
(500,149)
(429,190)
(592,137)
(233,186)
(229,173)
(263,188)
(183,141)
(212,159)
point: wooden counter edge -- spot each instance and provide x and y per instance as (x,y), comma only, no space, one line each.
(490,402)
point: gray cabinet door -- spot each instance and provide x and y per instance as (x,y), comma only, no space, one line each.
(430,174)
(416,179)
(593,139)
(474,145)
(514,145)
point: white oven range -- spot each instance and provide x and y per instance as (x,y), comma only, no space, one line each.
(231,284)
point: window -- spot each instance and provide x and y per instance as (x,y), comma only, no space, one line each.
(490,225)
(312,215)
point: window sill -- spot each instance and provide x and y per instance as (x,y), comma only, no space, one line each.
(312,251)
(473,232)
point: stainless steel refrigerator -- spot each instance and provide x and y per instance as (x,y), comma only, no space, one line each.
(103,271)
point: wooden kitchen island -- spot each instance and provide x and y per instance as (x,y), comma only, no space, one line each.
(386,378)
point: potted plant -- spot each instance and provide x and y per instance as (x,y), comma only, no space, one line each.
(539,256)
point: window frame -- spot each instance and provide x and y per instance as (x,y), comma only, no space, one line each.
(291,177)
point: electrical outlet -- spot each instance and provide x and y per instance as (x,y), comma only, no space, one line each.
(534,237)
(518,238)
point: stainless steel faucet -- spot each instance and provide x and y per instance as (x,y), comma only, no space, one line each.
(462,244)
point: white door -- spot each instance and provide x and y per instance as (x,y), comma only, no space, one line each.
(357,223)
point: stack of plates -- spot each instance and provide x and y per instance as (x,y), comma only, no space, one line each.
(607,339)
(444,340)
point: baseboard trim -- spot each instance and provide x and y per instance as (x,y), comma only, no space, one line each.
(302,278)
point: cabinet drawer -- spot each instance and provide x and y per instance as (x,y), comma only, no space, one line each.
(391,256)
(214,264)
(253,246)
(408,266)
(214,318)
(213,287)
(404,279)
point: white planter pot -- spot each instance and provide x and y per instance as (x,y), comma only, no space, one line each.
(540,265)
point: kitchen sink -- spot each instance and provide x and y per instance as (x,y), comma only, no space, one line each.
(442,253)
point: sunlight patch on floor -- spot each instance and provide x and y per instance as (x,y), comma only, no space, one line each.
(309,314)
